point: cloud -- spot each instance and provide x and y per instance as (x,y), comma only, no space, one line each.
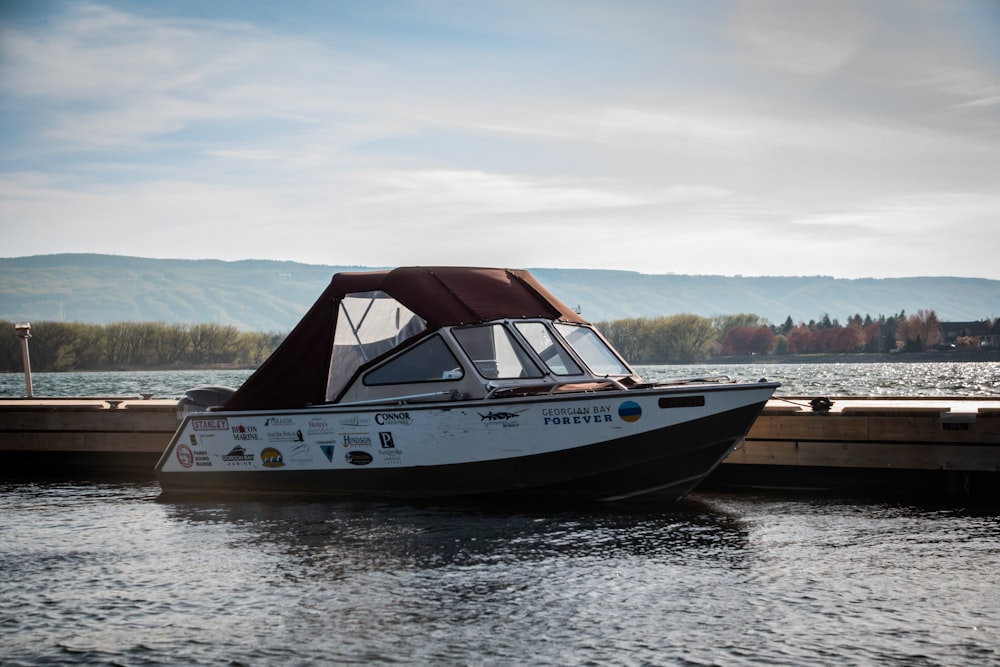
(104,79)
(472,192)
(803,38)
(648,135)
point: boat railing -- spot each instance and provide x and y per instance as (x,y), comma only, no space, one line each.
(536,389)
(541,389)
(409,398)
(597,384)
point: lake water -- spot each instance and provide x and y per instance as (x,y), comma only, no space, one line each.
(101,573)
(108,573)
(837,379)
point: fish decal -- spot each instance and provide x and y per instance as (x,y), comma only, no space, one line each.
(498,416)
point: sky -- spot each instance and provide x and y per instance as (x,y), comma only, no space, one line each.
(756,137)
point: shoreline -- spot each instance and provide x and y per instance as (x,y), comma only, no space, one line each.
(945,356)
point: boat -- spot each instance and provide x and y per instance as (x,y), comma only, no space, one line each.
(424,382)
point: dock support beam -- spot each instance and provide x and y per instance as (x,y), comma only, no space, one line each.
(24,333)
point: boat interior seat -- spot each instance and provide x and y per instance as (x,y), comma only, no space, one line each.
(586,386)
(547,388)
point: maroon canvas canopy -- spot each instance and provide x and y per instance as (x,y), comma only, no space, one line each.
(295,375)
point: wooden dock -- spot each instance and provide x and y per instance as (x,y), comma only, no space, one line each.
(98,435)
(872,444)
(925,445)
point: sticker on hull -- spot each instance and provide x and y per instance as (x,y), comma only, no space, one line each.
(270,457)
(358,458)
(185,456)
(630,411)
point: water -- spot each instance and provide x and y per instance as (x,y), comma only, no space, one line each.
(847,379)
(162,384)
(855,379)
(109,574)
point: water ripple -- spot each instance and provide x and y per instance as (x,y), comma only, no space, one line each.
(109,574)
(942,378)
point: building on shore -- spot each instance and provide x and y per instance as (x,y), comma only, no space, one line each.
(984,333)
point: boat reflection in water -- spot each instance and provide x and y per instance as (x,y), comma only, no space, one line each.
(341,538)
(436,382)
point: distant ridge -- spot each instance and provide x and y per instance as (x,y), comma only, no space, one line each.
(269,295)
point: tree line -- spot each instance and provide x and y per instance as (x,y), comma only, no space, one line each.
(692,338)
(680,339)
(74,346)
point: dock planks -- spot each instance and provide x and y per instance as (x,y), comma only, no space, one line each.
(871,443)
(88,434)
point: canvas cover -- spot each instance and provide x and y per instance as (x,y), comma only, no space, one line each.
(296,374)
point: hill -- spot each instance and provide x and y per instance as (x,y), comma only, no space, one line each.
(266,295)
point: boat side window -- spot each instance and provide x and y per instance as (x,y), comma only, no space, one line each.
(427,361)
(368,324)
(555,356)
(600,358)
(495,352)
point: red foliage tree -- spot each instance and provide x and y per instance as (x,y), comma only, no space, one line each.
(762,341)
(872,335)
(800,340)
(748,340)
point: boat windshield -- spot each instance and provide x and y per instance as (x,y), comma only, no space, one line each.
(368,324)
(495,352)
(590,347)
(555,356)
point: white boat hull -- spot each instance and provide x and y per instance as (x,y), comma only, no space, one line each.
(602,445)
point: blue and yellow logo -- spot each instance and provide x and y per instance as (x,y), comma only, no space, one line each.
(630,411)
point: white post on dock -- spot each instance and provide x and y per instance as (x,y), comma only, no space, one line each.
(24,333)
